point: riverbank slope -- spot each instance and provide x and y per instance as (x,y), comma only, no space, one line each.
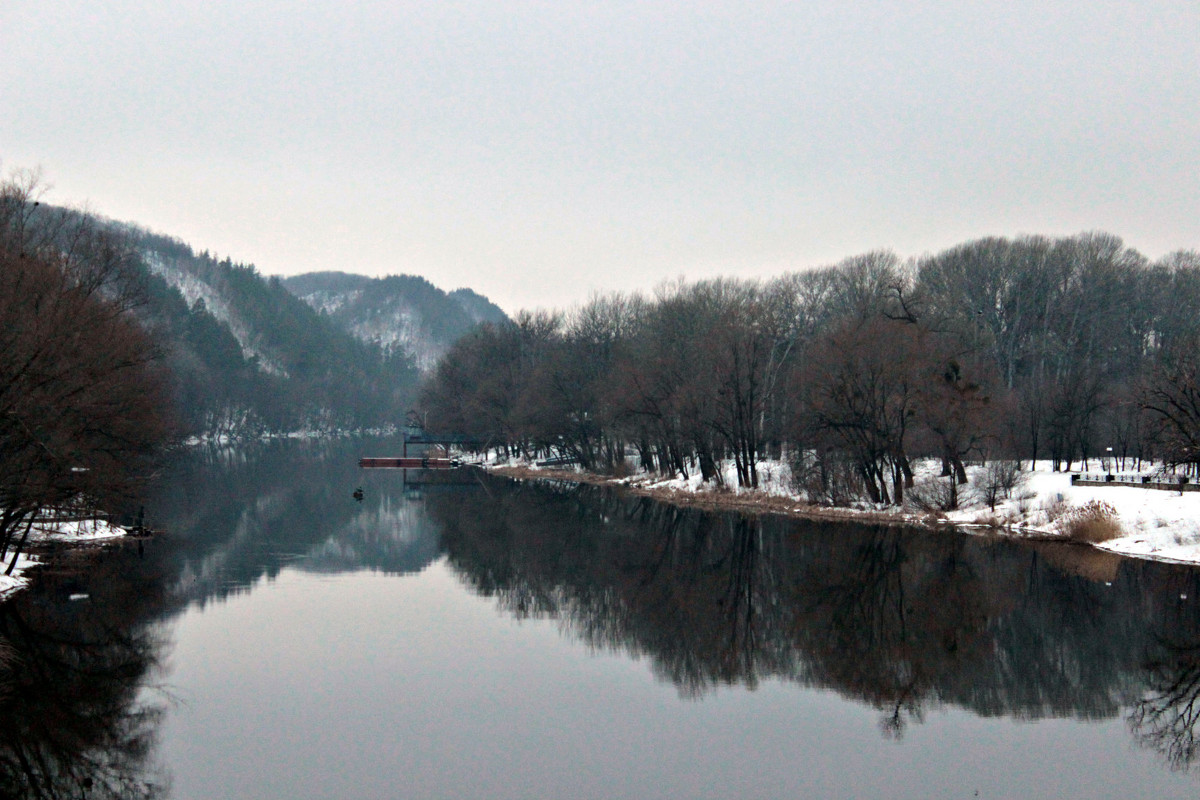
(79,532)
(1143,523)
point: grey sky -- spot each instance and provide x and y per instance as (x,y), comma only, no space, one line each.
(538,151)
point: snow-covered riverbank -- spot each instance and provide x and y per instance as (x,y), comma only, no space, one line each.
(76,532)
(1162,525)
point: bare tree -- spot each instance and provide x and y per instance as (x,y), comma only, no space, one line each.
(81,399)
(862,392)
(1171,398)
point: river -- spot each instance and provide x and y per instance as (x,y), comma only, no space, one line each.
(477,637)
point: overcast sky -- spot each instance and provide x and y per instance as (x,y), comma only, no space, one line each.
(540,151)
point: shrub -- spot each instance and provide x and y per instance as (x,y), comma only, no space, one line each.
(1092,523)
(934,495)
(999,479)
(622,469)
(826,477)
(1056,508)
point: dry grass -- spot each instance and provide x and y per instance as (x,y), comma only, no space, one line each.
(623,470)
(1092,523)
(717,499)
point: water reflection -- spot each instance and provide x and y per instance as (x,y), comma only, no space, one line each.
(74,722)
(1167,710)
(902,620)
(79,651)
(242,516)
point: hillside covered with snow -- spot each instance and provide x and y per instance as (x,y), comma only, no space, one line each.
(400,313)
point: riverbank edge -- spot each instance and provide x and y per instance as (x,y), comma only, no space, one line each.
(37,549)
(757,502)
(1001,524)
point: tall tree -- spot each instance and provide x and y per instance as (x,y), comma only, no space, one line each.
(81,400)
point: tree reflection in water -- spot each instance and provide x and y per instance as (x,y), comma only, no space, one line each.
(74,716)
(893,614)
(1165,717)
(74,722)
(903,620)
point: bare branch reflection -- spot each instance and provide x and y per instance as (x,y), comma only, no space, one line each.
(901,620)
(1165,719)
(74,720)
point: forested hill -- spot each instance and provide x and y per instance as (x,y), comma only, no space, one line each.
(247,356)
(400,313)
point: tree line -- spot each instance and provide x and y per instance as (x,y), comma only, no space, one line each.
(1025,348)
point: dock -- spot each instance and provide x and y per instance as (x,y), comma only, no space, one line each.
(409,463)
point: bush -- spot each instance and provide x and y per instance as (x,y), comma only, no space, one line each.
(1092,523)
(934,495)
(1056,507)
(826,477)
(622,469)
(999,479)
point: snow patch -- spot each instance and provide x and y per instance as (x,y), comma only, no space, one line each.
(396,326)
(17,580)
(91,530)
(193,289)
(1155,524)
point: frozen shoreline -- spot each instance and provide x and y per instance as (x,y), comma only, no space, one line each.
(77,532)
(1154,524)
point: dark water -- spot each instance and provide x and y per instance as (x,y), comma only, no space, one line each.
(498,640)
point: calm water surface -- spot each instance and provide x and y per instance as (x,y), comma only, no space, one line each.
(507,641)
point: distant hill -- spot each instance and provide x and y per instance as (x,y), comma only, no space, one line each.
(249,356)
(400,313)
(479,307)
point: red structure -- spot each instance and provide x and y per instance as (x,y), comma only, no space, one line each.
(409,463)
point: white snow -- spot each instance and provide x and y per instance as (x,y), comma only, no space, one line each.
(11,583)
(88,530)
(1156,524)
(330,302)
(92,530)
(396,325)
(193,288)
